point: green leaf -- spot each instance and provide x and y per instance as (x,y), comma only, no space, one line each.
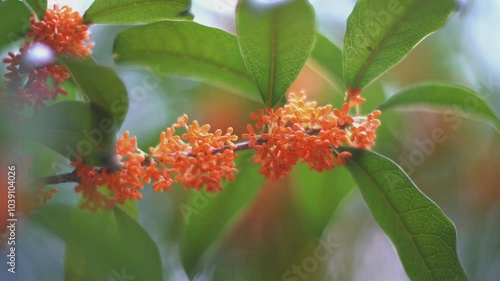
(54,217)
(142,257)
(381,33)
(15,21)
(187,49)
(92,248)
(275,41)
(74,128)
(137,11)
(104,243)
(38,6)
(103,87)
(462,100)
(207,216)
(319,194)
(424,237)
(328,58)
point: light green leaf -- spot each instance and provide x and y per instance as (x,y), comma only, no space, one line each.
(275,41)
(137,11)
(38,6)
(380,33)
(74,128)
(424,237)
(187,49)
(462,100)
(15,21)
(103,87)
(207,216)
(318,194)
(328,58)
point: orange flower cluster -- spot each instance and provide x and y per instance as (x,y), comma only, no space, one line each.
(33,79)
(299,131)
(303,131)
(191,159)
(63,31)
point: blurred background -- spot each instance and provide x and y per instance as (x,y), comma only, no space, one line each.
(283,224)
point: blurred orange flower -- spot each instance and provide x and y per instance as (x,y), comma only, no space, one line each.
(60,32)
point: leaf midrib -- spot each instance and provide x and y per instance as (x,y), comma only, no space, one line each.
(389,204)
(379,47)
(273,58)
(36,7)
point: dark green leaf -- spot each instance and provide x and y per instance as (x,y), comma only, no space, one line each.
(463,101)
(424,237)
(381,33)
(328,58)
(15,21)
(137,11)
(38,6)
(74,128)
(190,50)
(319,194)
(142,257)
(104,243)
(103,87)
(207,216)
(275,41)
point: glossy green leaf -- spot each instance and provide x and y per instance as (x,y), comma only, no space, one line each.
(207,216)
(15,21)
(424,237)
(328,58)
(74,128)
(318,194)
(190,50)
(102,86)
(461,100)
(275,40)
(38,6)
(381,33)
(141,254)
(137,11)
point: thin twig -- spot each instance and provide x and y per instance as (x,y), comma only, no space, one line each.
(62,178)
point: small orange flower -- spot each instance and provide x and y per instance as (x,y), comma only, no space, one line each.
(354,97)
(343,116)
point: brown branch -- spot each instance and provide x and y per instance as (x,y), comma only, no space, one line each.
(62,178)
